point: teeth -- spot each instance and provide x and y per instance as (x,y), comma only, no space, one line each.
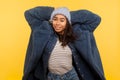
(57,28)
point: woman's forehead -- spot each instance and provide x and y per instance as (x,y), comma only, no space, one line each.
(59,16)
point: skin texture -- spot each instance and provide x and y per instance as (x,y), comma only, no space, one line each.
(59,23)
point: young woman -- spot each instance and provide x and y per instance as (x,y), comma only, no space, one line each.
(60,46)
(60,61)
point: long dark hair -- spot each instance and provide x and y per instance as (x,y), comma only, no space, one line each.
(68,35)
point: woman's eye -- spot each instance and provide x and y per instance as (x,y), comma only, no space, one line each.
(62,20)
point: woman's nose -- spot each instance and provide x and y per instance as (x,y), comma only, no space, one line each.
(57,22)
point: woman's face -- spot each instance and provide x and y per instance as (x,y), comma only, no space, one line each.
(59,23)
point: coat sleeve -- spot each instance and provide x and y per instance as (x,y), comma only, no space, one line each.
(35,16)
(86,19)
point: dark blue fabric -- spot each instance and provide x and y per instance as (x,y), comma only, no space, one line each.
(86,58)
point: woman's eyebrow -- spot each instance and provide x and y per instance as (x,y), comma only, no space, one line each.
(60,18)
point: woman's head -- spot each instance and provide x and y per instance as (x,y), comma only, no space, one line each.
(61,23)
(59,19)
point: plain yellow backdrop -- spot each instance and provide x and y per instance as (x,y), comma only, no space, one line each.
(15,32)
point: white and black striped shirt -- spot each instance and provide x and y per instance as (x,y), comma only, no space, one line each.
(60,60)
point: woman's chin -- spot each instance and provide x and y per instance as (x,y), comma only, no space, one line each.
(58,31)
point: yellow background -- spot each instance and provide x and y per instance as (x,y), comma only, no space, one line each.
(15,32)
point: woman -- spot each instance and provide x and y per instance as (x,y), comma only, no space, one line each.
(62,49)
(60,61)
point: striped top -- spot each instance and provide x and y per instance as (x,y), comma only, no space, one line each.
(60,60)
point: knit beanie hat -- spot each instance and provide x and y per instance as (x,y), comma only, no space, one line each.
(61,10)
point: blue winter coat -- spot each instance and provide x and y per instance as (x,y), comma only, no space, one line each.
(86,58)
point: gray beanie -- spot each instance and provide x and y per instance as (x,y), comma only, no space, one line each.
(61,10)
